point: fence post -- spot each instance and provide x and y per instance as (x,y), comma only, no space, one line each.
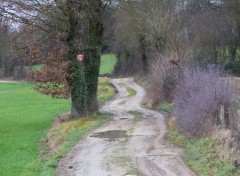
(231,118)
(222,117)
(237,121)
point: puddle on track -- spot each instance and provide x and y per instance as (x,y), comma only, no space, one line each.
(125,119)
(111,135)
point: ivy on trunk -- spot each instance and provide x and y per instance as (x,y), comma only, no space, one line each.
(60,31)
(83,75)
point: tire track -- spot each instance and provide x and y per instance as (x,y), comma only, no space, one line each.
(144,152)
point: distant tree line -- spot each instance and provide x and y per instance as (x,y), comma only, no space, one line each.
(174,32)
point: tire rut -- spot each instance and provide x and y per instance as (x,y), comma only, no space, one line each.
(144,152)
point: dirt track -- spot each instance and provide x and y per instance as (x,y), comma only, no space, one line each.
(128,145)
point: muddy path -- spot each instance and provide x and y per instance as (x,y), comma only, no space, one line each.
(132,143)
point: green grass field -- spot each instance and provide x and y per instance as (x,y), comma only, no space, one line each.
(108,62)
(27,116)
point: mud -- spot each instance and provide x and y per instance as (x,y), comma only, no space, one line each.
(111,135)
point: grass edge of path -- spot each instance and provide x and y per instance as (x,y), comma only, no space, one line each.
(66,135)
(199,153)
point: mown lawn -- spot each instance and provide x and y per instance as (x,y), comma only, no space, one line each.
(26,118)
(108,62)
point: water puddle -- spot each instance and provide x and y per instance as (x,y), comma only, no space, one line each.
(112,135)
(124,118)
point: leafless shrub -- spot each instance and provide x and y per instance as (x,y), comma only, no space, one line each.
(156,82)
(163,75)
(198,98)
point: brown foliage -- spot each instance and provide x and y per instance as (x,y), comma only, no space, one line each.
(51,79)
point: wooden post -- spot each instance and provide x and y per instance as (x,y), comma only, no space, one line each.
(237,126)
(231,119)
(237,121)
(222,117)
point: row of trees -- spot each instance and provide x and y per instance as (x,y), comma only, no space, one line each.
(176,31)
(172,33)
(53,33)
(7,62)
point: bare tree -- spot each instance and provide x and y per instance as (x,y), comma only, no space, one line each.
(75,27)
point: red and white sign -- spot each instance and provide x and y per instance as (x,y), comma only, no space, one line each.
(80,57)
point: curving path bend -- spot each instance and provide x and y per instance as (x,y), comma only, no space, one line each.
(128,145)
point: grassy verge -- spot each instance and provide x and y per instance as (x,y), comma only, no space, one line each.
(108,62)
(26,118)
(131,91)
(202,156)
(142,81)
(62,137)
(208,156)
(60,141)
(105,91)
(166,107)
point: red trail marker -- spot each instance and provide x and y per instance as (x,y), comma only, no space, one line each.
(80,57)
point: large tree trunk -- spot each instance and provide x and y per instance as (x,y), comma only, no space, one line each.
(76,74)
(83,75)
(78,88)
(233,53)
(92,66)
(92,54)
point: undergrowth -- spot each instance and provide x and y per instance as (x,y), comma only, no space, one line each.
(62,138)
(206,156)
(202,155)
(166,107)
(105,91)
(131,91)
(198,96)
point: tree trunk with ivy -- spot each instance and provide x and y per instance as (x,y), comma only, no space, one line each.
(83,75)
(63,30)
(92,65)
(93,54)
(77,85)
